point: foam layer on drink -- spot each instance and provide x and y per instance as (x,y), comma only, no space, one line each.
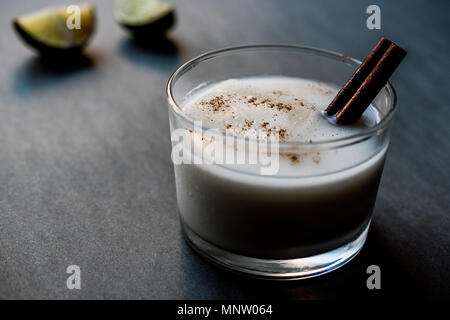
(285,108)
(270,106)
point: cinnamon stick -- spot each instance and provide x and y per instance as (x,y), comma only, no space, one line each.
(371,86)
(358,77)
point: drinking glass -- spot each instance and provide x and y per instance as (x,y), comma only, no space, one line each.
(297,223)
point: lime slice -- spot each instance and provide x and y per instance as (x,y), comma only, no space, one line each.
(47,30)
(145,17)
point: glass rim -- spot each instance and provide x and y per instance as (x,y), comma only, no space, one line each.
(361,135)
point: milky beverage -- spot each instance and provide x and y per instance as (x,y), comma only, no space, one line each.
(319,199)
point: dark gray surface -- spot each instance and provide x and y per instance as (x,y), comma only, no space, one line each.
(86,177)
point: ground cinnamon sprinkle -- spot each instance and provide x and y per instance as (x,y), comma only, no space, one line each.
(218,103)
(270,103)
(280,106)
(282,134)
(294,157)
(252,100)
(224,102)
(316,158)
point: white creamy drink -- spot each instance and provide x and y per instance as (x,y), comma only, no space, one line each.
(319,199)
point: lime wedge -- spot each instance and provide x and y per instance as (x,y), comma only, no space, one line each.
(47,30)
(151,18)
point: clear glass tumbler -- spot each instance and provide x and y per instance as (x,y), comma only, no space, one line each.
(290,225)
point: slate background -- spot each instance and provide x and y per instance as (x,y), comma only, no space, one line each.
(85,175)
